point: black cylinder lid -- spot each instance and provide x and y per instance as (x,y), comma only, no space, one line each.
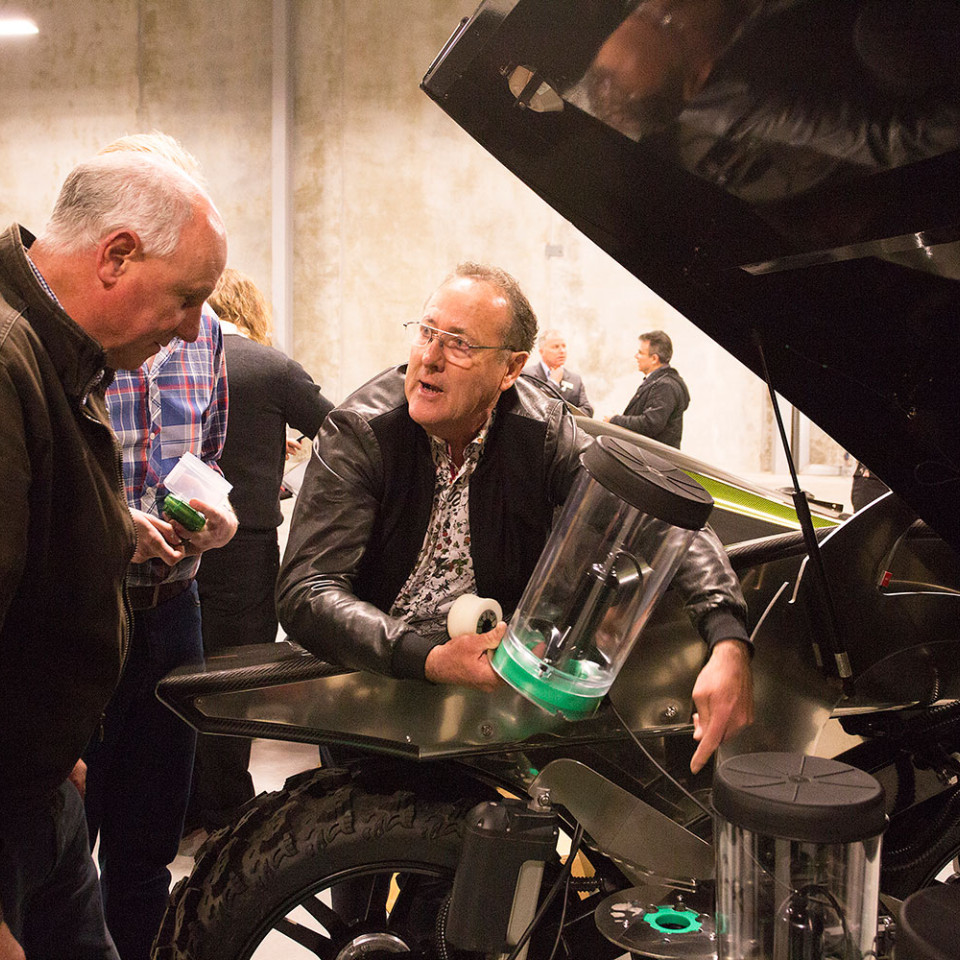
(795,797)
(927,926)
(648,482)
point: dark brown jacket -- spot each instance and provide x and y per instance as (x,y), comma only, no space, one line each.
(66,536)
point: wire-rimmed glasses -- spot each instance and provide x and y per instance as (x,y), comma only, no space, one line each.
(456,348)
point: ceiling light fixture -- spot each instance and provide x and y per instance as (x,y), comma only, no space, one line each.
(17,27)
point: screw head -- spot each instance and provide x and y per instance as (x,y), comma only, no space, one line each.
(669,713)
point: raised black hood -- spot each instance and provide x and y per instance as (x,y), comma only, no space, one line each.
(789,180)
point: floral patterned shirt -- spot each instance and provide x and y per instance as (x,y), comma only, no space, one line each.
(444,567)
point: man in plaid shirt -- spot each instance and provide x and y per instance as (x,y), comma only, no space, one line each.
(139,770)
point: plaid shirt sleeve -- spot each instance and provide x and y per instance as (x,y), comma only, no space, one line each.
(214,423)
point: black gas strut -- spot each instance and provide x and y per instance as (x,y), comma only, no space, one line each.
(824,614)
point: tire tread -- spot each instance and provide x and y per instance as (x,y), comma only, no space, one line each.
(245,872)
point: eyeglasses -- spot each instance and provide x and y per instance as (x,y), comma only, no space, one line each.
(455,348)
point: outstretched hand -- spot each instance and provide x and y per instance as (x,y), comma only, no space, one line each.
(465,660)
(723,696)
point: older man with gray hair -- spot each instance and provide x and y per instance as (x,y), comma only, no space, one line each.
(139,765)
(132,250)
(552,369)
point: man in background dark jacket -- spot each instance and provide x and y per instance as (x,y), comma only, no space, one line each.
(656,410)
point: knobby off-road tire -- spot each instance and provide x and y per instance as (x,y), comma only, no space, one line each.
(265,875)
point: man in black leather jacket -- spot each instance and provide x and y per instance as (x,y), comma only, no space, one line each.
(441,478)
(656,409)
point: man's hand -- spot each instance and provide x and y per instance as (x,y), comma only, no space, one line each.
(463,660)
(723,696)
(156,538)
(219,529)
(9,948)
(296,448)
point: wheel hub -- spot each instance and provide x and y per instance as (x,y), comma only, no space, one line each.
(366,946)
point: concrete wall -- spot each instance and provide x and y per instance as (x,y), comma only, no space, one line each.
(387,192)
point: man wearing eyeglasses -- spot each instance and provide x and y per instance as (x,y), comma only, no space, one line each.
(441,478)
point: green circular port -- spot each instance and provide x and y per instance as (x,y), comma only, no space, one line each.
(669,920)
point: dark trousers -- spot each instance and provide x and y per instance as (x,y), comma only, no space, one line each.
(138,777)
(237,584)
(48,883)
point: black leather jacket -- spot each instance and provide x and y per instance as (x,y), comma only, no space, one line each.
(365,504)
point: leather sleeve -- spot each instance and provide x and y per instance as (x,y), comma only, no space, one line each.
(566,443)
(711,590)
(332,523)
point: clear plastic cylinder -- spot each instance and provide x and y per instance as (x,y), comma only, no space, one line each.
(797,842)
(604,568)
(780,899)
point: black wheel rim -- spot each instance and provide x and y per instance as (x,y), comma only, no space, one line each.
(374,911)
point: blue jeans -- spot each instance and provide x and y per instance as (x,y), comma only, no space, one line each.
(138,777)
(48,883)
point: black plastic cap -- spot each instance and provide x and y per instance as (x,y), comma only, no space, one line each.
(795,797)
(927,927)
(648,482)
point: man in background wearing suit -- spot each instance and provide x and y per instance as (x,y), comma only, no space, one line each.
(551,369)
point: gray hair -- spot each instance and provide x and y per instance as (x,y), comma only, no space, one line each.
(159,144)
(550,334)
(523,321)
(128,190)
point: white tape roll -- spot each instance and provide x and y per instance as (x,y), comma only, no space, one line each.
(472,614)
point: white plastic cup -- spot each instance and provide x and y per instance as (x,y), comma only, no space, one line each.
(192,479)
